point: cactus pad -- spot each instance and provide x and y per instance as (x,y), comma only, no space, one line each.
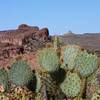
(86,63)
(20,73)
(69,55)
(71,86)
(48,59)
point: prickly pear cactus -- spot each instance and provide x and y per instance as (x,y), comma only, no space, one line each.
(86,63)
(71,86)
(20,73)
(48,59)
(69,54)
(3,80)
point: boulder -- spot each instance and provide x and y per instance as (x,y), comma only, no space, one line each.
(42,34)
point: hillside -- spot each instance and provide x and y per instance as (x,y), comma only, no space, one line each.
(28,39)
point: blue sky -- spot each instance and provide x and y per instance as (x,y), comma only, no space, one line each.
(59,16)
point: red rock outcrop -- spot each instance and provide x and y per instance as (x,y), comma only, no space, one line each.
(42,34)
(16,36)
(11,41)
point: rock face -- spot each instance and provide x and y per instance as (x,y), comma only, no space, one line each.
(43,34)
(37,40)
(22,40)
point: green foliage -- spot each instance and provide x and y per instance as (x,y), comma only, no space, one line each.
(69,55)
(4,79)
(71,86)
(48,59)
(20,73)
(86,63)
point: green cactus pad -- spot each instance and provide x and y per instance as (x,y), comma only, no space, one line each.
(69,55)
(20,73)
(71,86)
(4,79)
(86,63)
(48,59)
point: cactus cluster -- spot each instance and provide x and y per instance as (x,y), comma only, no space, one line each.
(48,59)
(77,60)
(77,66)
(77,63)
(81,61)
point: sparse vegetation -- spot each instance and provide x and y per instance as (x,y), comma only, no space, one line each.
(64,72)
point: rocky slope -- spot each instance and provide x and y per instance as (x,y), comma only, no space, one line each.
(28,39)
(23,40)
(89,41)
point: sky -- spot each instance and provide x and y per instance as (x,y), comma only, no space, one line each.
(60,16)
